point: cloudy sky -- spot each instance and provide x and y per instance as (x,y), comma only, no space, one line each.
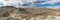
(45,3)
(53,3)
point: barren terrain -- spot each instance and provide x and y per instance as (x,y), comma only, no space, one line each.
(13,13)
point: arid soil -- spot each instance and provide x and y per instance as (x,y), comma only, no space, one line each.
(13,13)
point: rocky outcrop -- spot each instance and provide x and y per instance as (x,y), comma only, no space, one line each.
(5,10)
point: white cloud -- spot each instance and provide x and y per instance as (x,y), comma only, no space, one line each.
(20,1)
(51,2)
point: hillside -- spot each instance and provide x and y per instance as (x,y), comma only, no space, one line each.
(13,13)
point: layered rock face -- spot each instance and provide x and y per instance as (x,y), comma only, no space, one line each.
(13,13)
